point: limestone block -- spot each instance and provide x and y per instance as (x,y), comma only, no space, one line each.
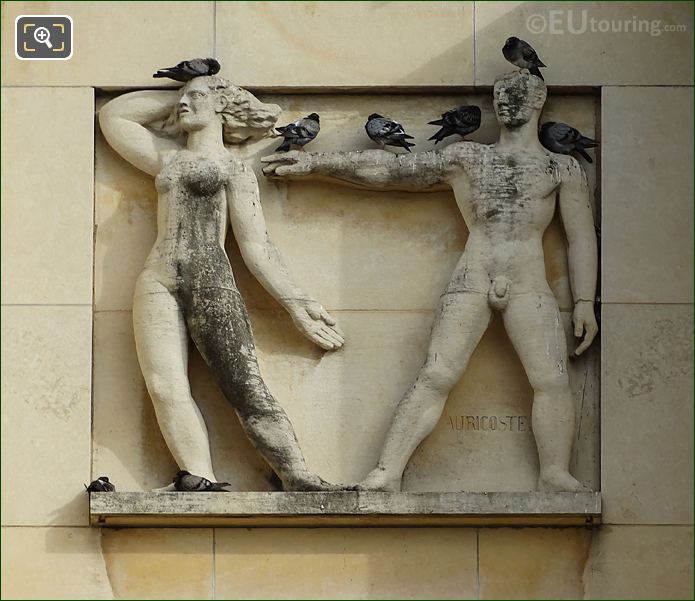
(640,562)
(592,56)
(351,249)
(53,563)
(46,414)
(113,44)
(381,563)
(532,563)
(330,44)
(647,251)
(47,133)
(159,563)
(647,414)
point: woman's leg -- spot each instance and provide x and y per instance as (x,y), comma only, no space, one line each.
(162,347)
(219,325)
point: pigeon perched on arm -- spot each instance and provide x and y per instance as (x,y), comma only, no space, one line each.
(186,482)
(463,120)
(187,70)
(522,55)
(387,132)
(299,133)
(563,139)
(101,484)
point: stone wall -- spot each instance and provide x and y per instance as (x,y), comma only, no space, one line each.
(77,222)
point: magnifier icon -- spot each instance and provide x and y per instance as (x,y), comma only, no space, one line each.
(43,36)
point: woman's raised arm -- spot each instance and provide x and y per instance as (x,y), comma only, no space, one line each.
(123,121)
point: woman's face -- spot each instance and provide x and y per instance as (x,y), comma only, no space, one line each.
(198,106)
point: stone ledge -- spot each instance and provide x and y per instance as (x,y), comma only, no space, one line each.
(330,509)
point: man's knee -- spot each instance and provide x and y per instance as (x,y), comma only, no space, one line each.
(555,382)
(438,375)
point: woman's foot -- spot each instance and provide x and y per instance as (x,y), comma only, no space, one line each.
(555,479)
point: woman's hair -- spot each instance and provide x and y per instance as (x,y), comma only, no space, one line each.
(243,111)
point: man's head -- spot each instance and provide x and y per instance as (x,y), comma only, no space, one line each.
(517,96)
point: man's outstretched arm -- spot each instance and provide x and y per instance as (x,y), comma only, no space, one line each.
(373,169)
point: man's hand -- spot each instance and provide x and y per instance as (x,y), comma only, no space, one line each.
(312,320)
(584,321)
(289,163)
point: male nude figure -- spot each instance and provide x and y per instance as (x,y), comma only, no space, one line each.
(506,193)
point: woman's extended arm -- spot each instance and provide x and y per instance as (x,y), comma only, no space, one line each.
(123,122)
(264,261)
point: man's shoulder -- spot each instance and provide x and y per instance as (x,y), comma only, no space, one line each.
(465,149)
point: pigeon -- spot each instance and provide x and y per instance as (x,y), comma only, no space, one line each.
(522,55)
(387,132)
(187,70)
(462,121)
(299,133)
(101,484)
(563,139)
(186,482)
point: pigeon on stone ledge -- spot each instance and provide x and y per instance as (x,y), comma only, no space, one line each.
(387,132)
(563,139)
(522,55)
(299,133)
(186,482)
(187,70)
(463,120)
(101,484)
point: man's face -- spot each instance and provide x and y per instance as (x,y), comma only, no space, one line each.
(516,98)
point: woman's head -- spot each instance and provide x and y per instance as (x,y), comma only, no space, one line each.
(242,115)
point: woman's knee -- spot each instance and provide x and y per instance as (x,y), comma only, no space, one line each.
(168,392)
(551,382)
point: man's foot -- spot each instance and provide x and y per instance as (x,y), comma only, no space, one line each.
(167,488)
(556,479)
(308,482)
(378,480)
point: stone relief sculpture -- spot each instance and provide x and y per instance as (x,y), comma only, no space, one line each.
(187,286)
(507,195)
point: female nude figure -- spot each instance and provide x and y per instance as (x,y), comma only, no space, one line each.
(187,285)
(507,195)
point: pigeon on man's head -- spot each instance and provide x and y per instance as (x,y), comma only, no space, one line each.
(387,132)
(101,484)
(463,120)
(563,139)
(186,482)
(187,70)
(299,133)
(522,55)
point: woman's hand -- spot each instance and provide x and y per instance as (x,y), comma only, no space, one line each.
(312,320)
(584,321)
(290,163)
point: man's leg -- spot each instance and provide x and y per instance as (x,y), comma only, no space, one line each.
(533,324)
(461,320)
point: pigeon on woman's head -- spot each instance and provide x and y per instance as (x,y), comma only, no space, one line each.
(187,70)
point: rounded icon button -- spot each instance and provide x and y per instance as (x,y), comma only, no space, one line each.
(43,36)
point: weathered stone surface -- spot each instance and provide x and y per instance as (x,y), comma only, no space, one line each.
(46,414)
(46,216)
(592,55)
(506,192)
(53,563)
(640,562)
(648,256)
(647,414)
(379,563)
(122,53)
(533,563)
(330,44)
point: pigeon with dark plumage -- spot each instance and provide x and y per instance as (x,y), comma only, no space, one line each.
(101,484)
(563,139)
(186,482)
(522,55)
(463,120)
(187,70)
(299,133)
(387,132)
